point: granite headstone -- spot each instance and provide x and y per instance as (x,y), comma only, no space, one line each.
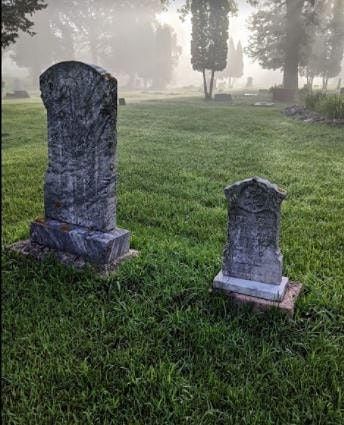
(252,261)
(80,182)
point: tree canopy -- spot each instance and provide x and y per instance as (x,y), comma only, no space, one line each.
(14,18)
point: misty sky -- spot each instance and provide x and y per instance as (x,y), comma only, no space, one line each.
(184,74)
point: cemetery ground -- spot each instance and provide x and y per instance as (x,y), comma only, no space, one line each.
(150,344)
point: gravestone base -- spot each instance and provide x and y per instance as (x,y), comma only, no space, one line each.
(94,246)
(39,252)
(252,288)
(286,305)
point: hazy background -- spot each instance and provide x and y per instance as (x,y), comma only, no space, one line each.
(183,74)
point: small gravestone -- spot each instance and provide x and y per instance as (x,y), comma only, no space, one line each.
(249,82)
(80,182)
(18,94)
(121,101)
(223,97)
(18,91)
(252,261)
(341,90)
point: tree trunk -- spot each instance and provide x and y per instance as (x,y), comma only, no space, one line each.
(206,95)
(293,24)
(211,84)
(324,84)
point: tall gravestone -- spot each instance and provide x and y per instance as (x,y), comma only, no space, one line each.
(252,261)
(80,182)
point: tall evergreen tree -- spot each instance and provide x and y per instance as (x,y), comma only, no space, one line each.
(209,38)
(166,56)
(238,70)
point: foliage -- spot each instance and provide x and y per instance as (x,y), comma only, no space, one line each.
(209,38)
(279,36)
(136,48)
(150,345)
(332,106)
(53,43)
(325,52)
(312,99)
(235,63)
(166,56)
(14,18)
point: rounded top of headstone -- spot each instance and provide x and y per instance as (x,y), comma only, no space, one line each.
(254,194)
(66,65)
(78,83)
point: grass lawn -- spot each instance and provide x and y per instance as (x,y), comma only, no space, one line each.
(150,345)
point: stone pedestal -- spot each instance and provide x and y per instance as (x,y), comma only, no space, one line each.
(94,246)
(251,287)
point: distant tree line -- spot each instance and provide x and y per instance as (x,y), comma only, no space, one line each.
(122,35)
(317,43)
(235,64)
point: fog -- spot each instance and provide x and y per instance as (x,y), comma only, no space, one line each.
(119,36)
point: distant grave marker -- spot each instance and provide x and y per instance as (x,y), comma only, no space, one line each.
(121,101)
(80,182)
(252,261)
(283,95)
(18,91)
(223,97)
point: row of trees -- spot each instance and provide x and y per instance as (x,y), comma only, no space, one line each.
(123,35)
(235,64)
(315,37)
(291,35)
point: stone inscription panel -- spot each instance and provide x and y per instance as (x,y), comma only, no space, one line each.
(252,251)
(80,183)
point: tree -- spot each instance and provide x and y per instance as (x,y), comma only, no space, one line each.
(53,43)
(238,66)
(166,56)
(14,18)
(279,36)
(209,38)
(325,51)
(235,63)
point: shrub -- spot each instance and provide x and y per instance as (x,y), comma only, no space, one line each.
(312,100)
(331,106)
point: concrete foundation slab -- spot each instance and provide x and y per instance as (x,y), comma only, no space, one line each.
(286,305)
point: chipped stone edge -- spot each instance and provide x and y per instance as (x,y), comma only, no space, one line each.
(41,253)
(286,305)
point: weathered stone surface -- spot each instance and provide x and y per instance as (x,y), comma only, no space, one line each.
(81,102)
(96,247)
(252,251)
(80,182)
(41,253)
